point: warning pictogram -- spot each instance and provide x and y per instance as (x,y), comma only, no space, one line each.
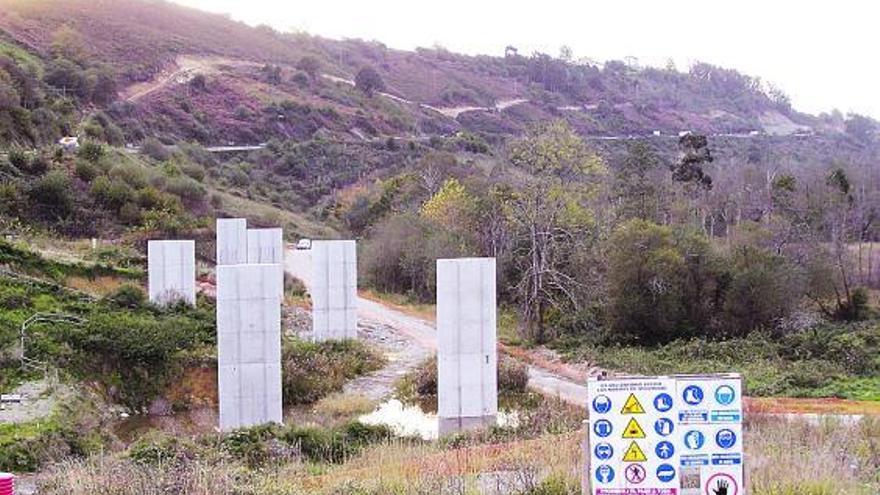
(633,430)
(632,406)
(634,454)
(635,473)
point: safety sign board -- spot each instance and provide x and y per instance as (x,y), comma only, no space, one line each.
(678,435)
(710,433)
(632,436)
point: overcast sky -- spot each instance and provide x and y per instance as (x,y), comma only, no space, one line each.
(821,53)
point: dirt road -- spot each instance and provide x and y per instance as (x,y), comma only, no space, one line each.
(420,339)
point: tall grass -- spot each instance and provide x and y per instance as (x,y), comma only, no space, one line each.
(784,457)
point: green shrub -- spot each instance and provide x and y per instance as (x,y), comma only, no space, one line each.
(193,171)
(556,484)
(127,296)
(132,174)
(111,194)
(86,170)
(186,189)
(335,444)
(18,159)
(154,149)
(513,377)
(251,445)
(160,448)
(53,195)
(311,371)
(92,152)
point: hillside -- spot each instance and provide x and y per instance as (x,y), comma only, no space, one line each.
(181,74)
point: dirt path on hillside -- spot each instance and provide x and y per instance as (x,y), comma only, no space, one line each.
(182,71)
(407,340)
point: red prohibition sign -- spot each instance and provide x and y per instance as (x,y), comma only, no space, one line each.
(635,473)
(721,484)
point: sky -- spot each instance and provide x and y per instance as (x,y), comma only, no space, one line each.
(820,53)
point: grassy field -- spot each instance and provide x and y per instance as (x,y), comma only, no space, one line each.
(785,457)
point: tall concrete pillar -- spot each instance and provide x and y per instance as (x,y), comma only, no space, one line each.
(171,272)
(334,290)
(232,241)
(267,246)
(249,345)
(467,357)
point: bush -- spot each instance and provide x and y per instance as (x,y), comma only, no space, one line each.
(127,296)
(18,159)
(53,195)
(369,81)
(337,444)
(311,371)
(111,194)
(86,171)
(158,448)
(92,152)
(513,377)
(186,189)
(154,149)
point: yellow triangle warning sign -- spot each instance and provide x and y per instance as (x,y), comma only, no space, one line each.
(632,406)
(633,430)
(634,454)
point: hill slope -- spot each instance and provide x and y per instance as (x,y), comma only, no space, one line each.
(184,74)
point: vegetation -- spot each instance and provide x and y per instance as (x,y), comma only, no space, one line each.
(824,459)
(311,371)
(513,378)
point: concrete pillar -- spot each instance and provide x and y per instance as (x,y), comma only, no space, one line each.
(232,241)
(249,345)
(467,358)
(171,272)
(334,290)
(267,246)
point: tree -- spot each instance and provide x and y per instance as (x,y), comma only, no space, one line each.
(549,218)
(636,184)
(565,53)
(695,153)
(662,283)
(369,81)
(453,209)
(310,65)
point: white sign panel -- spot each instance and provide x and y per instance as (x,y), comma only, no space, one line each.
(710,433)
(633,447)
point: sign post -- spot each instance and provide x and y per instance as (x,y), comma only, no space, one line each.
(676,435)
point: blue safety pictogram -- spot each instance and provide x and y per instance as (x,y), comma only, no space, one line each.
(664,450)
(664,427)
(665,472)
(605,473)
(603,451)
(693,395)
(725,395)
(694,440)
(725,438)
(602,428)
(663,402)
(601,404)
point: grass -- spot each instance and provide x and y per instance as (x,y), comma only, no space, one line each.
(340,405)
(402,303)
(784,457)
(266,214)
(314,370)
(835,360)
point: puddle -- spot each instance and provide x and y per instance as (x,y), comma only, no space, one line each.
(416,420)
